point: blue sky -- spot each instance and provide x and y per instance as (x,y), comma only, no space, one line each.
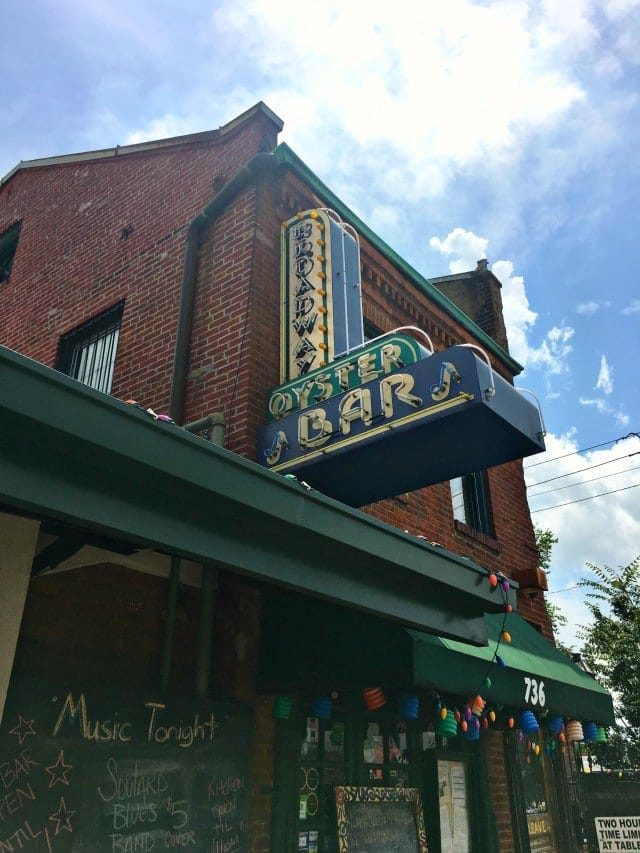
(460,130)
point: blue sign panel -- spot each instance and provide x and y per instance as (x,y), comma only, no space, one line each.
(440,418)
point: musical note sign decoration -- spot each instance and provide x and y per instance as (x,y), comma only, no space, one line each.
(103,770)
(376,820)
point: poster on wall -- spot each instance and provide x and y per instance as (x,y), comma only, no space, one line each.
(454,814)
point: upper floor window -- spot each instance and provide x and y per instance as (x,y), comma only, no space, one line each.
(8,246)
(88,353)
(471,503)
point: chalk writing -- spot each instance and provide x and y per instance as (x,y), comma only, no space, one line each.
(184,734)
(22,729)
(131,785)
(98,769)
(59,771)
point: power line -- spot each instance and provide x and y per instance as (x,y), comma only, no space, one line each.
(583,482)
(582,470)
(565,589)
(582,450)
(581,500)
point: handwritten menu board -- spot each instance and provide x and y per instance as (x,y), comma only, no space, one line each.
(91,769)
(380,820)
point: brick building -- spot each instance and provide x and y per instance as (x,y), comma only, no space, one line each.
(140,557)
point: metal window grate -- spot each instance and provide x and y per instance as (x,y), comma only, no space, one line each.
(89,352)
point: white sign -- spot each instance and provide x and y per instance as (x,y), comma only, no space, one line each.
(454,814)
(618,833)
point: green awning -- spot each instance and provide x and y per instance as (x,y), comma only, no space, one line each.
(314,646)
(74,457)
(460,668)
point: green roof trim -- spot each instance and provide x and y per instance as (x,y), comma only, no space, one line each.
(288,157)
(74,455)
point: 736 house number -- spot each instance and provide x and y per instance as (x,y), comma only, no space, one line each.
(534,692)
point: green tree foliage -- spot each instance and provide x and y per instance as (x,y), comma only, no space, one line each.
(545,540)
(612,652)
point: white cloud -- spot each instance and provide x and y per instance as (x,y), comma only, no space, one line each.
(604,382)
(552,351)
(632,308)
(605,408)
(467,246)
(602,530)
(588,309)
(390,91)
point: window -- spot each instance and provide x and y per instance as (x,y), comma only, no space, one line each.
(471,505)
(370,331)
(8,246)
(88,353)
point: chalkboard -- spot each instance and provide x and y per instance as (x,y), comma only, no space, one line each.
(86,769)
(380,820)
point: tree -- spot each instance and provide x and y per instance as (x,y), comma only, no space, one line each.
(545,540)
(612,652)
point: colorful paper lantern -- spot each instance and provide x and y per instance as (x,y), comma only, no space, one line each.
(477,706)
(528,722)
(374,698)
(322,707)
(447,727)
(554,725)
(590,730)
(574,731)
(500,663)
(493,579)
(506,637)
(409,707)
(473,730)
(601,735)
(282,708)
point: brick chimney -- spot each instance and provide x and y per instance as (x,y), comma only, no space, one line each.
(477,293)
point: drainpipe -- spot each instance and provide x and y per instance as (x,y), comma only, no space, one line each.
(207,597)
(251,171)
(172,598)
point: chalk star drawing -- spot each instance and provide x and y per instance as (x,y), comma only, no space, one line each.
(58,771)
(22,729)
(62,818)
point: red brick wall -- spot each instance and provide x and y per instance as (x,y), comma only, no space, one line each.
(72,260)
(499,788)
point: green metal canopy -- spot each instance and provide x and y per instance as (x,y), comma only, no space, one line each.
(97,466)
(324,647)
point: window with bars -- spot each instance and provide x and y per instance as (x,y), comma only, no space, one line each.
(88,353)
(471,504)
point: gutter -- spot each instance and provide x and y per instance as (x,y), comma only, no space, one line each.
(251,171)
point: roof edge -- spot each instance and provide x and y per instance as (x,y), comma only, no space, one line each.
(155,144)
(288,157)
